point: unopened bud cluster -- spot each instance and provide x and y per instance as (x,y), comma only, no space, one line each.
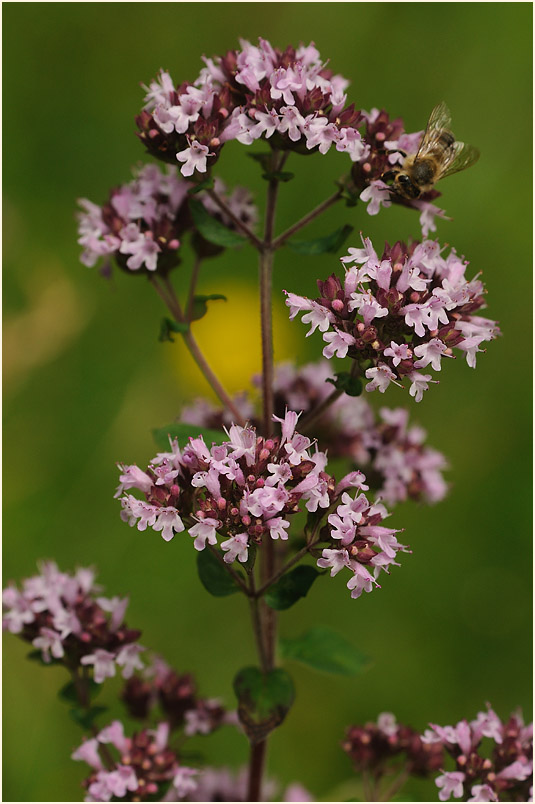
(372,748)
(159,686)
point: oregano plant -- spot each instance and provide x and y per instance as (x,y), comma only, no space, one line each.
(249,481)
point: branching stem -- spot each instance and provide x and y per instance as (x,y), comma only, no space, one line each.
(281,239)
(239,224)
(167,294)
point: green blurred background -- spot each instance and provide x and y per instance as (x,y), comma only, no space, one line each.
(85,378)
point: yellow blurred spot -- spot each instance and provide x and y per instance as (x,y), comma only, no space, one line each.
(55,315)
(229,337)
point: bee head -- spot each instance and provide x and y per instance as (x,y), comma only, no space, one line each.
(404,185)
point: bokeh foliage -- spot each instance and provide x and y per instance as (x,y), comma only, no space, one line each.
(86,379)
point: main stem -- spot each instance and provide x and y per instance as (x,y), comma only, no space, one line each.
(265,618)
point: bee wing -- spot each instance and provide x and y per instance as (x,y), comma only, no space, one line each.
(462,156)
(439,120)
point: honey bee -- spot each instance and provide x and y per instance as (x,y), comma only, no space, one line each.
(439,155)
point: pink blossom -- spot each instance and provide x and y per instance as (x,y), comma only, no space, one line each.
(361,581)
(243,441)
(288,425)
(319,132)
(386,722)
(236,548)
(133,477)
(103,664)
(318,317)
(183,781)
(128,659)
(343,528)
(364,256)
(277,528)
(520,770)
(204,531)
(88,752)
(194,158)
(482,792)
(398,352)
(336,560)
(377,193)
(291,122)
(114,734)
(141,246)
(420,383)
(431,352)
(121,780)
(355,480)
(117,607)
(367,306)
(471,347)
(338,344)
(380,377)
(169,522)
(351,142)
(49,642)
(451,784)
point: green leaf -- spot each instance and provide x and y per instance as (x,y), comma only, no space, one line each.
(212,229)
(326,651)
(86,717)
(291,587)
(207,184)
(183,432)
(200,308)
(168,326)
(215,577)
(264,700)
(279,175)
(69,694)
(331,243)
(352,386)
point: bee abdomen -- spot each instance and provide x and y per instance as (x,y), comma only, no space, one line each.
(446,139)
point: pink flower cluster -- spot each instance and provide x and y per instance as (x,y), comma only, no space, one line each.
(398,314)
(359,542)
(393,455)
(246,490)
(142,223)
(503,774)
(63,616)
(242,490)
(373,746)
(254,92)
(145,769)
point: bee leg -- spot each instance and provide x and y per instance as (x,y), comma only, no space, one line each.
(389,175)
